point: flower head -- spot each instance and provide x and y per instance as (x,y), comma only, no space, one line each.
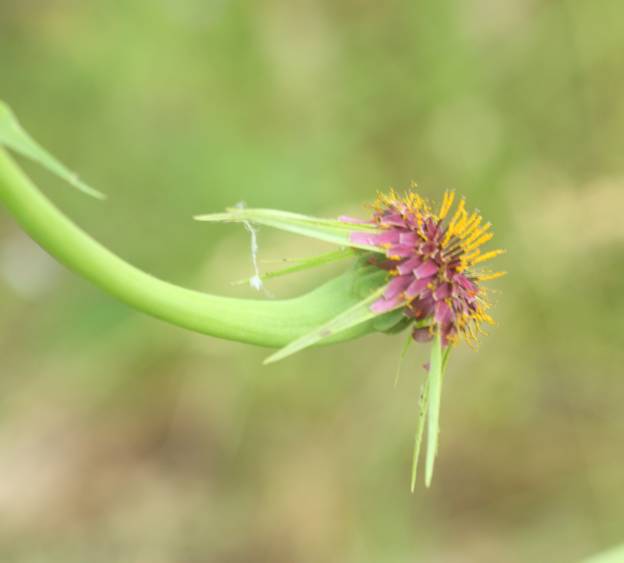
(434,263)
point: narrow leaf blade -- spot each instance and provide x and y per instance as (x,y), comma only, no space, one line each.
(423,403)
(445,359)
(306,264)
(435,393)
(404,350)
(353,316)
(14,137)
(328,230)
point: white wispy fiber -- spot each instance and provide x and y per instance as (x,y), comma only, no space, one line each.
(255,281)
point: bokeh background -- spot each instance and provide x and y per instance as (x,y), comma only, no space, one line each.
(124,439)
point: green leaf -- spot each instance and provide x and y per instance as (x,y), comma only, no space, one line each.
(445,359)
(388,321)
(305,264)
(14,137)
(423,403)
(404,350)
(353,316)
(435,392)
(328,230)
(367,278)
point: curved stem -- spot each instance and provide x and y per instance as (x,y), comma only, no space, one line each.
(267,323)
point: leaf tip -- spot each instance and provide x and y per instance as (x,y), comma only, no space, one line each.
(92,192)
(429,473)
(272,359)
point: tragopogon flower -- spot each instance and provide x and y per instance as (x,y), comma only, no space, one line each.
(429,269)
(433,259)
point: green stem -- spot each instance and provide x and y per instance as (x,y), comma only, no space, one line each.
(272,323)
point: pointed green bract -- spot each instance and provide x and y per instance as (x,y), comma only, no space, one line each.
(392,322)
(328,230)
(404,350)
(424,409)
(445,359)
(434,381)
(366,279)
(14,137)
(305,264)
(359,313)
(420,430)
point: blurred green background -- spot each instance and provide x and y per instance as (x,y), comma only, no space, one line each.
(124,439)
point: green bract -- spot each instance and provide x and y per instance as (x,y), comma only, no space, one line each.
(328,230)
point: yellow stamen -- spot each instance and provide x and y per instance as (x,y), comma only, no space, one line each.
(483,316)
(487,256)
(461,224)
(476,234)
(415,201)
(481,331)
(458,215)
(491,276)
(470,225)
(479,242)
(458,212)
(468,258)
(447,202)
(472,331)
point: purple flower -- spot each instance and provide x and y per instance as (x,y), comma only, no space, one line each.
(431,260)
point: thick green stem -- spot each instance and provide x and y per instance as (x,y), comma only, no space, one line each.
(266,323)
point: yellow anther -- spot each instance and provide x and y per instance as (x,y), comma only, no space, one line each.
(456,217)
(487,256)
(491,276)
(447,202)
(468,258)
(479,242)
(470,225)
(458,214)
(476,234)
(461,223)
